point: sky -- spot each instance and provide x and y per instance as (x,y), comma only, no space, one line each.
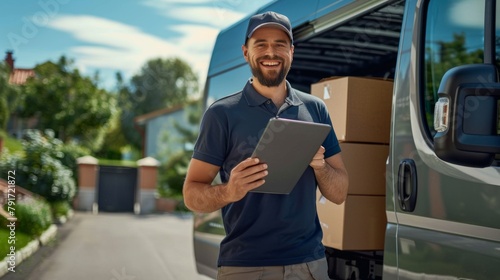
(116,35)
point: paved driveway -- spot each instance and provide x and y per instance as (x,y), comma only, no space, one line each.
(116,247)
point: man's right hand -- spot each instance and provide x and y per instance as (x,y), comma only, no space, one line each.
(201,196)
(246,176)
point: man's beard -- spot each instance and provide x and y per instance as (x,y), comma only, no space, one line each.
(273,79)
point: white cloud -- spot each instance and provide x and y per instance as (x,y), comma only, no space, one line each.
(196,38)
(211,16)
(113,45)
(216,13)
(467,13)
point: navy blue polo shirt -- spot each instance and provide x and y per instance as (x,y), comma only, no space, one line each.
(263,229)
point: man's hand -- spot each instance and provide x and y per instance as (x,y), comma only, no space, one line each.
(246,176)
(331,175)
(318,160)
(201,196)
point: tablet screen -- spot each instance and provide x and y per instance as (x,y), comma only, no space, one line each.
(288,146)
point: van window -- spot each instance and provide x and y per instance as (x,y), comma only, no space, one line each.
(227,83)
(497,60)
(454,36)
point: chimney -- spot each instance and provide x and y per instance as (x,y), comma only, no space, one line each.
(10,60)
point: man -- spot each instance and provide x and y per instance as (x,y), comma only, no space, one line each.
(269,236)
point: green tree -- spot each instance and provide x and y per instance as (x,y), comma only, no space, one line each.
(127,114)
(174,170)
(163,83)
(160,83)
(114,141)
(446,55)
(68,103)
(9,97)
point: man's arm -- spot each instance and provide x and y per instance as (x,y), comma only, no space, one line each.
(331,175)
(201,196)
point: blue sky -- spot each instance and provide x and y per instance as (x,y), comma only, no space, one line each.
(116,35)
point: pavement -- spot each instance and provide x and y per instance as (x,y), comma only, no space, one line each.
(115,246)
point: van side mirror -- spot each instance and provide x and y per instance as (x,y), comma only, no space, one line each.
(466,116)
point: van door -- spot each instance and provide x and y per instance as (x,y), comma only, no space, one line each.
(444,215)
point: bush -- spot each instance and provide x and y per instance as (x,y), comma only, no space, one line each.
(172,175)
(60,209)
(69,154)
(4,113)
(33,216)
(41,170)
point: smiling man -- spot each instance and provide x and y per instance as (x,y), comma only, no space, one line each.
(269,236)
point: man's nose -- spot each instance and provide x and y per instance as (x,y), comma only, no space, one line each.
(270,51)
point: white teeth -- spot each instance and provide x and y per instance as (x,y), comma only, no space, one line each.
(270,63)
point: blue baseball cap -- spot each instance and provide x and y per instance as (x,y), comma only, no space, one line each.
(269,19)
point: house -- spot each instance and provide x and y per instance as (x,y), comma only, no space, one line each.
(159,134)
(18,76)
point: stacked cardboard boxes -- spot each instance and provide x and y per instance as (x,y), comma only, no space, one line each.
(360,109)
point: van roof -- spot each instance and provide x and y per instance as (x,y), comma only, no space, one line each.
(332,38)
(227,50)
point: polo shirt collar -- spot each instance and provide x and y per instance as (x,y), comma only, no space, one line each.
(254,98)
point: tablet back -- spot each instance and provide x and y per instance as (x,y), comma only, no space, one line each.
(288,146)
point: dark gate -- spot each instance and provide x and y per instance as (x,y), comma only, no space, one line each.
(116,188)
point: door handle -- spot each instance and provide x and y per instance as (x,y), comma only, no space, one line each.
(407,185)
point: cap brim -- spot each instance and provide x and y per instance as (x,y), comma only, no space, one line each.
(271,24)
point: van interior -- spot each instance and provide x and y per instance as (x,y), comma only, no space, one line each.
(364,46)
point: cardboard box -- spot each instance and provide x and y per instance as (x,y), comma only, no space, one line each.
(360,108)
(365,164)
(357,224)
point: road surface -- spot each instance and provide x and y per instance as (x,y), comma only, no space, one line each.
(112,246)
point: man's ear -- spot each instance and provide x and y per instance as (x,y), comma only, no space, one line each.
(244,49)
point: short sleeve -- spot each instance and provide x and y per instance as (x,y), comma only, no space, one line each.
(331,143)
(211,144)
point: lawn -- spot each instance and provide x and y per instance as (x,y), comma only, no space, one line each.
(21,241)
(112,162)
(13,145)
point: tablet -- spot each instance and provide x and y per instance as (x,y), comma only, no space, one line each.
(288,146)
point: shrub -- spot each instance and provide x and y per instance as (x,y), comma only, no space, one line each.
(41,170)
(172,175)
(69,154)
(60,208)
(33,216)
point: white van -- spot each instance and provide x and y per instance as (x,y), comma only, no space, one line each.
(441,187)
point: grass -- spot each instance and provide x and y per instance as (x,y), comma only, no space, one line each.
(60,208)
(21,241)
(13,145)
(113,162)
